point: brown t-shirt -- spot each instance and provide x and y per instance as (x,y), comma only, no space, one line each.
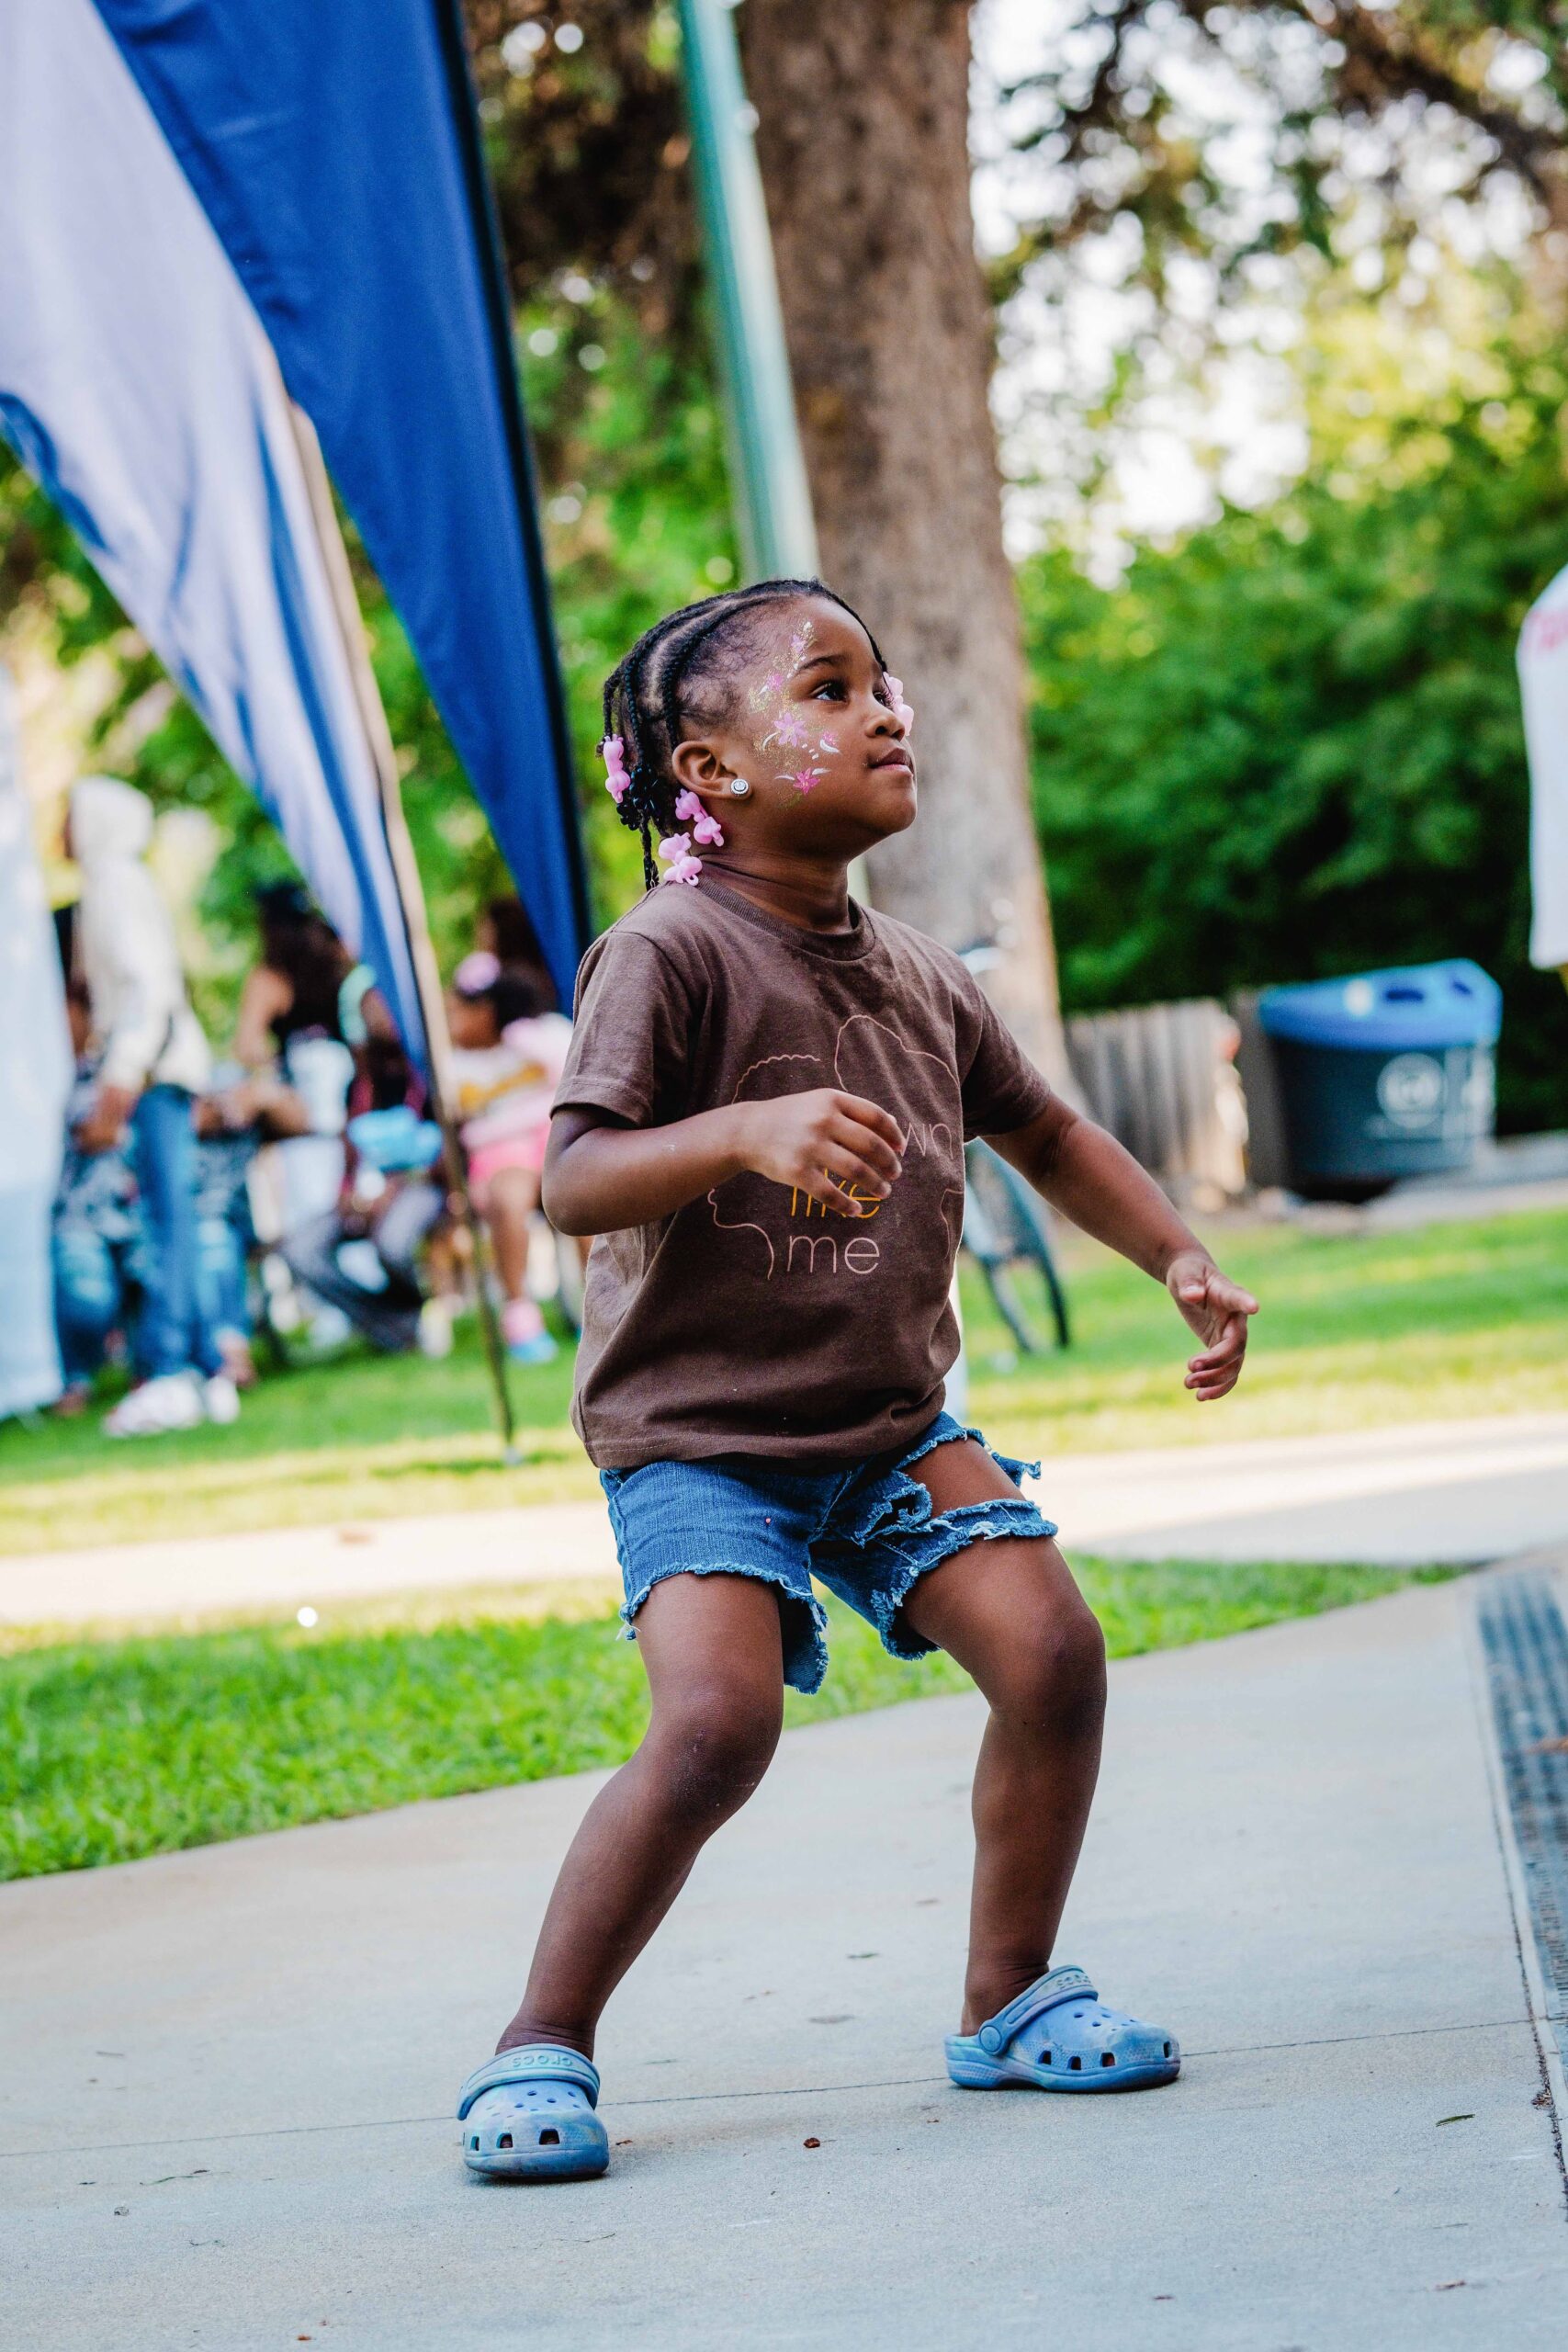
(754,1320)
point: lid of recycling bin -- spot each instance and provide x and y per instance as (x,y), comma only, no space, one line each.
(1413,1007)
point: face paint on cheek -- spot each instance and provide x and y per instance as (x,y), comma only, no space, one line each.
(810,770)
(787,725)
(781,722)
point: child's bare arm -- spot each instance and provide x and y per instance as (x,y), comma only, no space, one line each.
(600,1176)
(1085,1172)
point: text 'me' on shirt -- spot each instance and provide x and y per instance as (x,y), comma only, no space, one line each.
(755,1321)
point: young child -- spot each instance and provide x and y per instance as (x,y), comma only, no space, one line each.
(508,1053)
(762,1117)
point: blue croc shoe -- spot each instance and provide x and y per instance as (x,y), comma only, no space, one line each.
(528,2114)
(1058,2037)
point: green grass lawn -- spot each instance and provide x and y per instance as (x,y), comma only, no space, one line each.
(1357,1330)
(115,1750)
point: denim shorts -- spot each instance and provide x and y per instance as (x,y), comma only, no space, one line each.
(868,1534)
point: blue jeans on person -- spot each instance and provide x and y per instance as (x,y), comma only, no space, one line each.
(389,1316)
(92,1285)
(173,1334)
(222,1252)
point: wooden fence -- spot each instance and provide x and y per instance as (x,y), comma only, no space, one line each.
(1162,1078)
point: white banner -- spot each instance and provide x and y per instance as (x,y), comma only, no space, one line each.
(35,1081)
(1544,685)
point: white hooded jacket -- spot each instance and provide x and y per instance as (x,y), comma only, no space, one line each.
(129,959)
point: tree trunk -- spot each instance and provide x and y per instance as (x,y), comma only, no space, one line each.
(862,138)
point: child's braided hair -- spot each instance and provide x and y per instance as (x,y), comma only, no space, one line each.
(650,695)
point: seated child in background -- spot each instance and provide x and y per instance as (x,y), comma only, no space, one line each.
(233,1119)
(508,1053)
(505,930)
(362,1257)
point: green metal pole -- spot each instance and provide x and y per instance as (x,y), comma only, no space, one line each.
(772,497)
(778,535)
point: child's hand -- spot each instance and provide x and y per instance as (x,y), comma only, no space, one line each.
(108,1113)
(821,1142)
(1217,1310)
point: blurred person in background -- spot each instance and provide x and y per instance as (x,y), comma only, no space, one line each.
(307,1012)
(98,1244)
(362,1256)
(35,1081)
(153,1062)
(508,1051)
(307,985)
(241,1113)
(505,930)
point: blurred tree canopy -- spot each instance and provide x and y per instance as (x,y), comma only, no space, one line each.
(1288,745)
(1230,132)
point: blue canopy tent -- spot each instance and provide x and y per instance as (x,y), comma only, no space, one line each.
(333,147)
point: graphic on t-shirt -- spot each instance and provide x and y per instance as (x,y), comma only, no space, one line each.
(800,1234)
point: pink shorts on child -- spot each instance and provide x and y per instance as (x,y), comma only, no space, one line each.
(526,1150)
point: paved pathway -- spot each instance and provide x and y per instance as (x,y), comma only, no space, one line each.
(225,2090)
(1455,1491)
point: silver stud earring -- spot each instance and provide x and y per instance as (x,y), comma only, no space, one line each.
(739,787)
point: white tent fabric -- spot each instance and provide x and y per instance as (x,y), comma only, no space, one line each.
(1544,685)
(137,383)
(35,1080)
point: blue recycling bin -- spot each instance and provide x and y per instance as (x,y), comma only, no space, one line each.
(1383,1075)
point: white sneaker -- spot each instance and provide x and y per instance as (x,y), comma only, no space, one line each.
(222,1398)
(435,1330)
(173,1401)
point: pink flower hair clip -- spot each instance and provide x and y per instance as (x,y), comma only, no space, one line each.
(901,710)
(704,828)
(476,973)
(616,780)
(676,849)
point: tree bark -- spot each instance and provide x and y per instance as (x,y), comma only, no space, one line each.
(862,138)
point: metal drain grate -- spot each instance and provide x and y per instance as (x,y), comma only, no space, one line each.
(1526,1643)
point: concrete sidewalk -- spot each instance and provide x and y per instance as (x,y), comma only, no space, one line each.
(227,2085)
(1450,1491)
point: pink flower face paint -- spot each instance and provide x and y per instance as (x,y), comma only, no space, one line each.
(789,729)
(901,710)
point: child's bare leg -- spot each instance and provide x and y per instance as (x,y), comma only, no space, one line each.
(714,1656)
(511,1198)
(1011,1613)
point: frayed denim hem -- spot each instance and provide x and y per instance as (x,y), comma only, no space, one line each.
(902,1519)
(936,1435)
(951,1531)
(806,1656)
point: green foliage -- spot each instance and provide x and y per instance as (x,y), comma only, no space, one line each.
(113,1750)
(637,517)
(1291,746)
